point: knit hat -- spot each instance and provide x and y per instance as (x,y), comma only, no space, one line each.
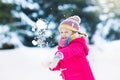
(71,23)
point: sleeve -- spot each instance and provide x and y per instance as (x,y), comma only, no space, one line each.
(72,50)
(57,67)
(58,56)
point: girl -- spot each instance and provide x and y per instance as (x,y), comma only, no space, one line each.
(70,58)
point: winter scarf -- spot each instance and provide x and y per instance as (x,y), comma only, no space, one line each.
(65,42)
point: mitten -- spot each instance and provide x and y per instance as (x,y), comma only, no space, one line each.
(58,56)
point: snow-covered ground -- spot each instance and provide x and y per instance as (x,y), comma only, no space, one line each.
(30,63)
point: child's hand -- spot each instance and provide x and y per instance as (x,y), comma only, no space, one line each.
(53,63)
(58,56)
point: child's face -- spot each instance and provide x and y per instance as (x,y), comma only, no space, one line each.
(65,33)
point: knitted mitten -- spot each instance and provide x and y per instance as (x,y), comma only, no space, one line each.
(58,56)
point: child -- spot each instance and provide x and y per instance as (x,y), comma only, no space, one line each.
(70,58)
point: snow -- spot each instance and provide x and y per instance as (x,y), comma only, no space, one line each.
(25,18)
(4,29)
(40,24)
(66,6)
(40,30)
(106,61)
(31,63)
(90,9)
(25,63)
(25,4)
(34,42)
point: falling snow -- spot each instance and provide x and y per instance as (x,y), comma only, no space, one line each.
(40,30)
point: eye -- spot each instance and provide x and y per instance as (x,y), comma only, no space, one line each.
(66,31)
(61,32)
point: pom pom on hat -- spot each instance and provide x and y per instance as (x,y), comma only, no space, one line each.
(71,23)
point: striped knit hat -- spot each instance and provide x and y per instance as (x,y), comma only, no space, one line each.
(71,23)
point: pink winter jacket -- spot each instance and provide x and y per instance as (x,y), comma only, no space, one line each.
(74,65)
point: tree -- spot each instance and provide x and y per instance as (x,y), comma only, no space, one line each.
(53,12)
(110,18)
(5,13)
(5,16)
(57,10)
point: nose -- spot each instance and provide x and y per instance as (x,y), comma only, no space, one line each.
(63,36)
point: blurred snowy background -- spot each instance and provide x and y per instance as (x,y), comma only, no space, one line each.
(21,60)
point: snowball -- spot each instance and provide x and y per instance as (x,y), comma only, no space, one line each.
(40,24)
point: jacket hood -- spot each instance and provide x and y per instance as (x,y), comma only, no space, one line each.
(82,42)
